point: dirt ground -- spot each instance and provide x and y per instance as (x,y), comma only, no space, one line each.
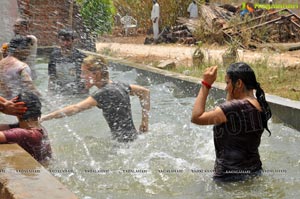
(284,83)
(133,48)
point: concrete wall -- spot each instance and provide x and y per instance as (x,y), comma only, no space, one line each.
(22,177)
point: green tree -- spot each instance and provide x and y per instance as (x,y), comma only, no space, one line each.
(97,15)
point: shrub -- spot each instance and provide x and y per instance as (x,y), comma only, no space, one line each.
(97,15)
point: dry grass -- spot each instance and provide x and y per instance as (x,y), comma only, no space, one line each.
(284,82)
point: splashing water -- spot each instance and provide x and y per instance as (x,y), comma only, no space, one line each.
(79,139)
(173,160)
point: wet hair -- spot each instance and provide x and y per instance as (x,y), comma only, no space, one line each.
(33,104)
(19,43)
(244,72)
(66,34)
(97,63)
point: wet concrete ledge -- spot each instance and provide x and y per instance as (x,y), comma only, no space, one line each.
(284,110)
(22,177)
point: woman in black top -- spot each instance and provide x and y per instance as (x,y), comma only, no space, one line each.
(239,122)
(112,97)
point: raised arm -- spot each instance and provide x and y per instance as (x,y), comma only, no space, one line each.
(27,81)
(144,96)
(199,115)
(71,110)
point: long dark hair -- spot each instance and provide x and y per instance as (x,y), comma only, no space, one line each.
(244,72)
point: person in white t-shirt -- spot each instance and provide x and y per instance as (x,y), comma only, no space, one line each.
(193,9)
(270,2)
(155,19)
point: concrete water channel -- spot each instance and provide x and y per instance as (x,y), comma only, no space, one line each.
(174,159)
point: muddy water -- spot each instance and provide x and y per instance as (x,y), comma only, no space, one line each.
(173,160)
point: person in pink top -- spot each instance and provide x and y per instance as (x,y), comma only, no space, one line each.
(28,132)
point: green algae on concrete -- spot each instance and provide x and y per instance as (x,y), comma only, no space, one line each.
(22,177)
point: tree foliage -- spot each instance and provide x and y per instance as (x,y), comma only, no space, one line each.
(97,15)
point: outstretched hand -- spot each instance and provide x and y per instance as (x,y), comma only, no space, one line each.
(11,107)
(210,74)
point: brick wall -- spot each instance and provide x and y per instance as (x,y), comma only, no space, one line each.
(47,17)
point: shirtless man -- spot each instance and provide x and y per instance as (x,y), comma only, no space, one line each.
(15,74)
(21,30)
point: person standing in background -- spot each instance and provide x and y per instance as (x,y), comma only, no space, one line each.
(270,2)
(21,29)
(193,9)
(155,18)
(64,67)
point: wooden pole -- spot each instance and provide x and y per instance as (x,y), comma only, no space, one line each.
(270,22)
(257,18)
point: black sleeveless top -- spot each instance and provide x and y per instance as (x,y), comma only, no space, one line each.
(237,140)
(114,100)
